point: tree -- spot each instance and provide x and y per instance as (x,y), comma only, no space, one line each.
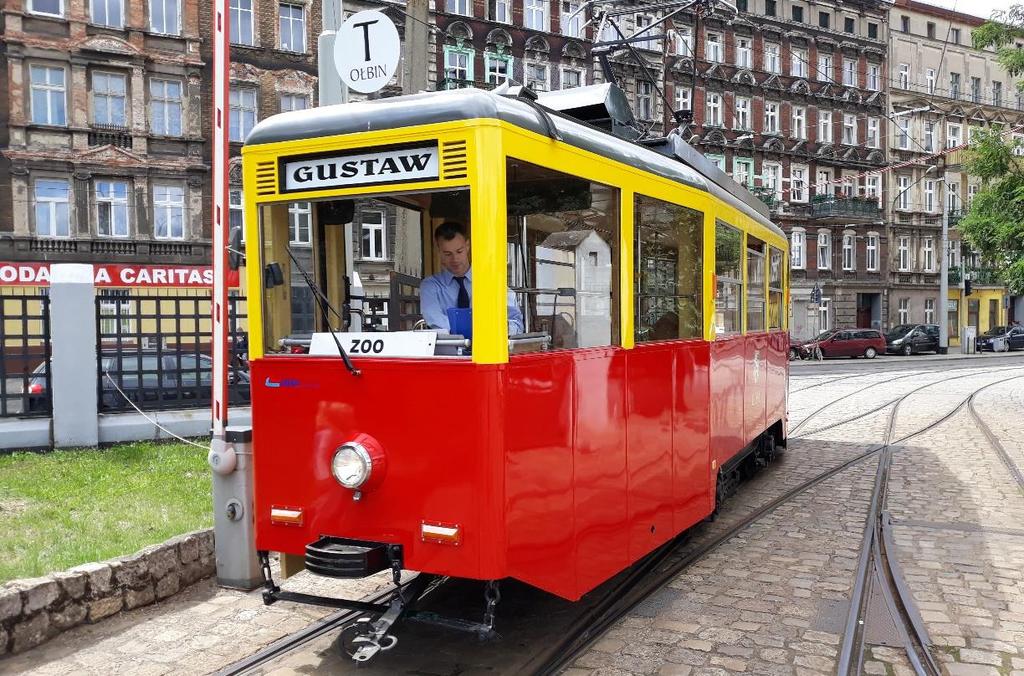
(994,224)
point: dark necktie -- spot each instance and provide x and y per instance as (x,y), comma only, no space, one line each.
(463,300)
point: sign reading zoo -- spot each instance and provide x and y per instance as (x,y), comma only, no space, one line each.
(395,165)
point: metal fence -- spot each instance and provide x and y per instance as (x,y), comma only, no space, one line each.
(155,351)
(25,355)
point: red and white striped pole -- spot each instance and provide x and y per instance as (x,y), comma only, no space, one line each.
(221,80)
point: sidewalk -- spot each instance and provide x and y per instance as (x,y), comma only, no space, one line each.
(917,358)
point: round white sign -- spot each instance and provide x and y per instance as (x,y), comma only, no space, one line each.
(366,51)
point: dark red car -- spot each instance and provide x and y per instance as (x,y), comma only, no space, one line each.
(847,343)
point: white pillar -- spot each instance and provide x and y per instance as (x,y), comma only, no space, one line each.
(74,370)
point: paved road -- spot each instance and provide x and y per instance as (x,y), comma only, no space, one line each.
(772,600)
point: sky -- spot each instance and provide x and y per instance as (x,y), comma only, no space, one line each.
(982,8)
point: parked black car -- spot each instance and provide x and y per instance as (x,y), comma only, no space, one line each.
(166,379)
(1012,338)
(908,339)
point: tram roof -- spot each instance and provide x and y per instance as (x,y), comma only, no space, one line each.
(470,104)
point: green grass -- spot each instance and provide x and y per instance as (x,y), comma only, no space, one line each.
(61,509)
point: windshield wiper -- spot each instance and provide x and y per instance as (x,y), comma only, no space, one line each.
(323,304)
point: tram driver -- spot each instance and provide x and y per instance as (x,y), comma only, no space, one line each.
(453,286)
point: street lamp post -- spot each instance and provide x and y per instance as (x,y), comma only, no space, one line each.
(329,85)
(943,317)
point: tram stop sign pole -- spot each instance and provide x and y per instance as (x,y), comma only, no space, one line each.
(230,447)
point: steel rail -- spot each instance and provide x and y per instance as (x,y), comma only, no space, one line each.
(589,628)
(873,544)
(996,444)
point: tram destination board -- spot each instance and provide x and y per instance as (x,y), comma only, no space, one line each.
(391,164)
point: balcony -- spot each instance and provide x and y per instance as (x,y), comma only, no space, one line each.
(845,209)
(104,135)
(954,217)
(978,276)
(457,83)
(954,277)
(766,195)
(104,250)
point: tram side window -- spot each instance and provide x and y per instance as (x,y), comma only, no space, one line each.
(669,272)
(563,255)
(755,284)
(774,288)
(729,272)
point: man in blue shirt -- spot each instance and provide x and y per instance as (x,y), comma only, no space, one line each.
(453,286)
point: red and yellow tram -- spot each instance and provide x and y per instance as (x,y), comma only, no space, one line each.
(651,358)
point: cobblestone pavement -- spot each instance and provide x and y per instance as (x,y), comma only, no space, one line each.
(772,600)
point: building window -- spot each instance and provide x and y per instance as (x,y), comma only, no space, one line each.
(115,315)
(825,68)
(743,171)
(374,243)
(241,15)
(929,255)
(824,126)
(729,273)
(106,13)
(929,136)
(236,211)
(290,102)
(904,76)
(997,93)
(772,58)
(903,133)
(903,196)
(458,65)
(743,52)
(571,78)
(714,114)
(953,196)
(874,133)
(954,135)
(905,24)
(954,85)
(850,73)
(849,251)
(165,107)
(874,77)
(872,253)
(824,19)
(48,95)
(798,183)
(717,160)
(498,68)
(537,76)
(954,35)
(645,103)
(770,8)
(164,17)
(536,14)
(904,311)
(713,47)
(929,196)
(929,80)
(904,253)
(572,27)
(300,222)
(799,122)
(643,23)
(500,10)
(108,99)
(682,98)
(771,178)
(976,89)
(743,119)
(930,29)
(849,25)
(242,118)
(797,250)
(849,129)
(682,41)
(463,7)
(293,27)
(771,117)
(111,208)
(823,182)
(51,207)
(798,14)
(873,187)
(47,7)
(798,62)
(929,310)
(168,212)
(741,6)
(824,251)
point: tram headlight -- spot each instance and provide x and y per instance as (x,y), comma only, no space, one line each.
(351,465)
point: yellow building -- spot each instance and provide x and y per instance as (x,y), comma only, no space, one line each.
(984,309)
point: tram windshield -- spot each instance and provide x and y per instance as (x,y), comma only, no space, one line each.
(353,265)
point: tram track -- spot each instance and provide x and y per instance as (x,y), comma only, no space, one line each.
(584,635)
(879,576)
(647,576)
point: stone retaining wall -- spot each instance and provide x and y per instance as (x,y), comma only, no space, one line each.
(35,610)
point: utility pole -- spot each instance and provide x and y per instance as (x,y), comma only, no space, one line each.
(332,90)
(943,304)
(417,45)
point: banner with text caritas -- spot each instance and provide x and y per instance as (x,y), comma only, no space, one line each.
(119,275)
